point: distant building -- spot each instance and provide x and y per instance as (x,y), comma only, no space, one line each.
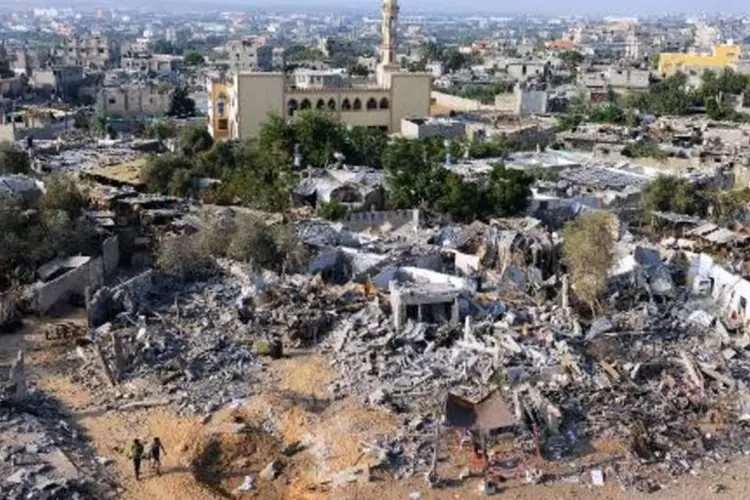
(381,103)
(27,61)
(37,122)
(162,64)
(250,55)
(560,45)
(615,79)
(530,101)
(723,56)
(62,81)
(94,52)
(133,101)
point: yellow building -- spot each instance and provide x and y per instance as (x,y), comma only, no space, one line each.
(724,56)
(218,109)
(382,102)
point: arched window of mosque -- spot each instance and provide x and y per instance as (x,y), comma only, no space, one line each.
(331,104)
(372,103)
(346,105)
(292,106)
(306,104)
(321,104)
(357,104)
(384,104)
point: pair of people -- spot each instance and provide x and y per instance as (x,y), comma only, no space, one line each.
(154,454)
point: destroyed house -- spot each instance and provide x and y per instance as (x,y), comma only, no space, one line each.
(729,290)
(711,235)
(424,296)
(354,189)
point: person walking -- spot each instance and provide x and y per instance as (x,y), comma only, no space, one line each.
(136,454)
(155,455)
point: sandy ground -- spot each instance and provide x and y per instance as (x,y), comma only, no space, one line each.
(332,433)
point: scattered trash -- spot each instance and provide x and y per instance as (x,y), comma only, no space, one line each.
(597,477)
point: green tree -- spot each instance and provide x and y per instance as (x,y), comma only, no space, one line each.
(13,160)
(365,146)
(61,192)
(508,191)
(332,211)
(160,129)
(319,135)
(159,170)
(431,51)
(300,53)
(644,150)
(214,162)
(182,104)
(276,248)
(162,46)
(453,60)
(609,113)
(571,60)
(413,172)
(461,200)
(194,139)
(359,70)
(668,193)
(192,58)
(185,257)
(588,250)
(668,97)
(275,132)
(262,178)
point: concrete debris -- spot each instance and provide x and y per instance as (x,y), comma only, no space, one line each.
(248,484)
(43,457)
(271,471)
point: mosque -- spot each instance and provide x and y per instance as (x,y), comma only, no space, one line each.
(239,107)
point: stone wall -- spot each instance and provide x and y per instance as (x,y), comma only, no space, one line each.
(111,255)
(358,221)
(8,310)
(74,282)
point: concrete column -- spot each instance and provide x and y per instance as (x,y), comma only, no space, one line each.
(467,327)
(397,309)
(18,378)
(455,312)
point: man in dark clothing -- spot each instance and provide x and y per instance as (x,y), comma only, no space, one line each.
(155,455)
(136,453)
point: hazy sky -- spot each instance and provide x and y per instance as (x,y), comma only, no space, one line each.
(564,7)
(633,8)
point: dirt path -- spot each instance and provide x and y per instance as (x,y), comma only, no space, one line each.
(110,432)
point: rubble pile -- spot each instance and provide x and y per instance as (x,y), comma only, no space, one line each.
(207,336)
(409,369)
(650,378)
(192,347)
(42,456)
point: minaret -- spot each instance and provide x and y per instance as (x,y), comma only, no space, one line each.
(388,43)
(388,32)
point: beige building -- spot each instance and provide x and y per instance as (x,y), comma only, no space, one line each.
(250,55)
(131,101)
(382,102)
(94,52)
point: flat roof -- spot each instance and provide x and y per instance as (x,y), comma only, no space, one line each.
(125,173)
